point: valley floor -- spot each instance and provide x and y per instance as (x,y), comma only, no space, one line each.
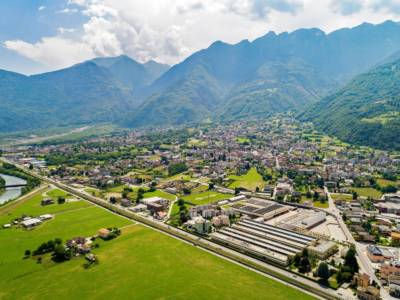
(139,264)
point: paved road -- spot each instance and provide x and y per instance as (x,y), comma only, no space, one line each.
(363,260)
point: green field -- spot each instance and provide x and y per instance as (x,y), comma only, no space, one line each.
(34,208)
(343,197)
(320,204)
(385,183)
(139,264)
(55,193)
(367,192)
(206,197)
(249,181)
(159,193)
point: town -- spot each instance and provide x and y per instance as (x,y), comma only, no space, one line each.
(275,191)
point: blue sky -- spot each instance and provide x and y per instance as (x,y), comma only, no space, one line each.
(30,21)
(44,35)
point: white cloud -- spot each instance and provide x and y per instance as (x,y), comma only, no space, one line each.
(170,30)
(62,30)
(41,8)
(54,52)
(67,11)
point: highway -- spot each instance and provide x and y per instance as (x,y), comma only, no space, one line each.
(282,275)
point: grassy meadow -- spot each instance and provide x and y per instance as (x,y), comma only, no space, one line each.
(249,181)
(139,264)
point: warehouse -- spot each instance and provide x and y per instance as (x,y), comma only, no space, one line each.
(256,207)
(266,242)
(305,219)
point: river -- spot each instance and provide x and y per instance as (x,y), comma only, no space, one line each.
(11,193)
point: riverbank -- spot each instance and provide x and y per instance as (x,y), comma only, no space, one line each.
(11,193)
(2,183)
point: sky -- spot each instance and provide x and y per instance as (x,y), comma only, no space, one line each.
(44,35)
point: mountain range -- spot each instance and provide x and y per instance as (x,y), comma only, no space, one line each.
(366,111)
(99,90)
(274,73)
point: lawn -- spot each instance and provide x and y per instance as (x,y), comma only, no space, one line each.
(55,193)
(367,192)
(320,204)
(159,193)
(206,197)
(317,204)
(139,264)
(343,197)
(183,177)
(385,183)
(249,181)
(242,140)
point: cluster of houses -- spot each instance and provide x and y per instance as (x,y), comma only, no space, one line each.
(29,222)
(156,206)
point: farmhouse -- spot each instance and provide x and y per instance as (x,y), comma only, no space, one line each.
(47,201)
(30,223)
(103,233)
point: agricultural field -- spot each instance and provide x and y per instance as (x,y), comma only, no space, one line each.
(249,181)
(385,183)
(139,264)
(159,193)
(206,197)
(367,192)
(343,197)
(33,207)
(55,193)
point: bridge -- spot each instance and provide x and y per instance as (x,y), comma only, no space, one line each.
(12,186)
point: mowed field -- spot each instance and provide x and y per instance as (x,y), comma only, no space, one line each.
(139,264)
(249,181)
(206,197)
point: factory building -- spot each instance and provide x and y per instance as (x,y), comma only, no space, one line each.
(266,242)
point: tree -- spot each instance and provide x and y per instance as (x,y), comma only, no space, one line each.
(355,195)
(350,260)
(113,200)
(297,259)
(176,169)
(61,253)
(305,265)
(210,186)
(60,200)
(339,277)
(27,253)
(323,271)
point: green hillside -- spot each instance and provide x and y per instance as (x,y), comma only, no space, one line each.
(366,111)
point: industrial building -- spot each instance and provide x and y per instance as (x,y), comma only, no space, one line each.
(304,219)
(263,241)
(256,207)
